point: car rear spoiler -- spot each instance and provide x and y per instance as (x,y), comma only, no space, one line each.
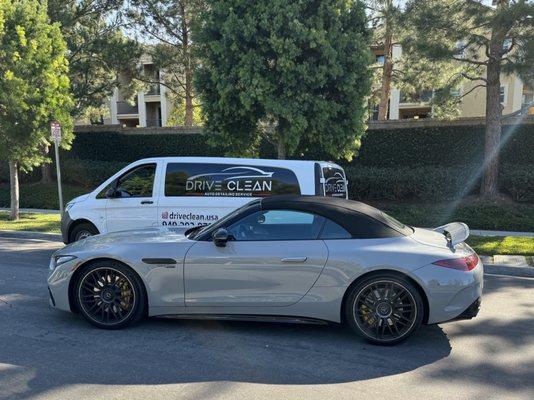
(455,232)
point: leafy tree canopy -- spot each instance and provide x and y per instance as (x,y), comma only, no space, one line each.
(296,72)
(34,85)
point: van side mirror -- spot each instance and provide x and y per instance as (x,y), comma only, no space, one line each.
(220,237)
(112,193)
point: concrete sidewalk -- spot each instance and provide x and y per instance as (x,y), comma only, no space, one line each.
(33,210)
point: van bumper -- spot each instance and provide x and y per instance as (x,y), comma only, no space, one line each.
(66,222)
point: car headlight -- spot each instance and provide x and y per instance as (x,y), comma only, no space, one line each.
(68,206)
(56,261)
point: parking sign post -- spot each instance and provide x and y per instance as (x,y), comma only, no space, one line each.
(55,130)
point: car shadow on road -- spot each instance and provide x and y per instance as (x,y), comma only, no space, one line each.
(161,351)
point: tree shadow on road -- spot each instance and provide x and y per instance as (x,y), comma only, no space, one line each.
(69,352)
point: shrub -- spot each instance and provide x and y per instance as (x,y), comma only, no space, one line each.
(418,183)
(89,173)
(40,195)
(518,181)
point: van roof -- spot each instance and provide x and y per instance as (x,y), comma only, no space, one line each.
(265,161)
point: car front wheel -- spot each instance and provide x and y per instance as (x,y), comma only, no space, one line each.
(109,295)
(384,308)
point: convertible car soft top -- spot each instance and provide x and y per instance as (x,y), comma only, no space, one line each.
(360,220)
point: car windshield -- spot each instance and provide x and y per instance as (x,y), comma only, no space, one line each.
(196,231)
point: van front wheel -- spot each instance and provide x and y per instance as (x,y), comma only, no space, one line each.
(82,231)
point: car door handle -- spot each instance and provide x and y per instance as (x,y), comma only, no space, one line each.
(294,259)
(147,202)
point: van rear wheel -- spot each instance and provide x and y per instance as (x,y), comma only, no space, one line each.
(82,231)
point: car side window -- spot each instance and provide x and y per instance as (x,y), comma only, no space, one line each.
(331,230)
(138,182)
(277,225)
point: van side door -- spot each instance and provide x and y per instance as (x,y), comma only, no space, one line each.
(135,200)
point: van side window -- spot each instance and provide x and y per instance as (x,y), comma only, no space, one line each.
(228,180)
(331,230)
(138,182)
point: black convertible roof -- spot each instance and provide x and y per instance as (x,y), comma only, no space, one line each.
(360,219)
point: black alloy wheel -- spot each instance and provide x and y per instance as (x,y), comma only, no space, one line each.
(385,309)
(110,295)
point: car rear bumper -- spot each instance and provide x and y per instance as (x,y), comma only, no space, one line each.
(451,294)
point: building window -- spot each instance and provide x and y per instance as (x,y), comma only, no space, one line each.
(380,59)
(503,94)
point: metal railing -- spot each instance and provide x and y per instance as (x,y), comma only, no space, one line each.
(153,90)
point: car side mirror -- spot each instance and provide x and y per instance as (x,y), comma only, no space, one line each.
(220,237)
(112,193)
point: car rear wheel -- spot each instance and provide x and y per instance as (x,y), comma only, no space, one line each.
(82,231)
(384,309)
(109,295)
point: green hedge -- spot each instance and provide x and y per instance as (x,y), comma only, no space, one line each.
(40,195)
(518,181)
(447,146)
(418,183)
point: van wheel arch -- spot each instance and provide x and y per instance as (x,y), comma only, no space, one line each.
(80,222)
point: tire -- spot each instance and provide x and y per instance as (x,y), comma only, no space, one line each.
(384,309)
(110,295)
(82,231)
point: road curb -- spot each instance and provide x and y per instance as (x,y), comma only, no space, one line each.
(31,235)
(524,272)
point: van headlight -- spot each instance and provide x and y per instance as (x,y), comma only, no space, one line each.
(56,261)
(68,206)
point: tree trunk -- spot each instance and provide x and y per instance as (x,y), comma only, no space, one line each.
(46,171)
(188,118)
(281,148)
(385,89)
(186,49)
(490,188)
(14,187)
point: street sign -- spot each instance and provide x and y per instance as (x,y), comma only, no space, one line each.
(55,131)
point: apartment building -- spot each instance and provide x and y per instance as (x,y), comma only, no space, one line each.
(149,109)
(515,97)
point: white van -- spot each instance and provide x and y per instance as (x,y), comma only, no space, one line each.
(191,191)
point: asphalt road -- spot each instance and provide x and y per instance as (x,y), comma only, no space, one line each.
(46,354)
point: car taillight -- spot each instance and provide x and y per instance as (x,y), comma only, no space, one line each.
(461,264)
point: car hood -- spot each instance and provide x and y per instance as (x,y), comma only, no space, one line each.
(129,237)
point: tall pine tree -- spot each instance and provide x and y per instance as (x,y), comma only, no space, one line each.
(486,41)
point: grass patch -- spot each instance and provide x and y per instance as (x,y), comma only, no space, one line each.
(31,222)
(41,195)
(504,245)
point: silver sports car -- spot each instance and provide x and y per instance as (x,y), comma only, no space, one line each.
(283,258)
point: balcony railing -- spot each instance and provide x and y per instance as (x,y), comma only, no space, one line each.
(153,122)
(123,107)
(153,90)
(419,98)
